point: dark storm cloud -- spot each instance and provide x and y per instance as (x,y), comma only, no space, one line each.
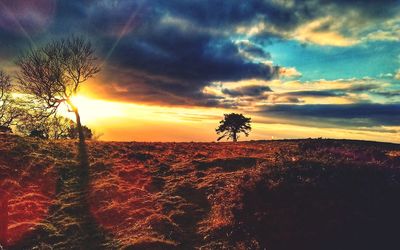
(187,56)
(176,67)
(352,115)
(173,49)
(187,41)
(284,14)
(152,89)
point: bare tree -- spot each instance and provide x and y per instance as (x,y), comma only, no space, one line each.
(54,73)
(5,94)
(9,110)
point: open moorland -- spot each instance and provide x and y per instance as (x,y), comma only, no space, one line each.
(291,194)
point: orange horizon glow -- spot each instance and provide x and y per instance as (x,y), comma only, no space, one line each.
(121,121)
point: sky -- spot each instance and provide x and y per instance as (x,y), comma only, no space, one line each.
(171,69)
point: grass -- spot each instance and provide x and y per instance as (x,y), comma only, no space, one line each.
(293,194)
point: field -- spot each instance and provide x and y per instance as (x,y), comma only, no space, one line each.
(292,194)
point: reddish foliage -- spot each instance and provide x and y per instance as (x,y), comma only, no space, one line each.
(3,217)
(247,195)
(29,182)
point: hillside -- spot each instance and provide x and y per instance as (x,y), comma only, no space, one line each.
(294,194)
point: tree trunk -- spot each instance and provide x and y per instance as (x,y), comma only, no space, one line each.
(234,137)
(78,121)
(79,126)
(82,151)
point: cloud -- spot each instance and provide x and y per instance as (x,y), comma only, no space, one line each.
(250,94)
(350,115)
(397,76)
(253,51)
(328,22)
(316,93)
(251,90)
(185,63)
(319,32)
(187,56)
(289,72)
(279,99)
(388,93)
(381,35)
(154,89)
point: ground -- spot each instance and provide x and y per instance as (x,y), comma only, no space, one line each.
(291,194)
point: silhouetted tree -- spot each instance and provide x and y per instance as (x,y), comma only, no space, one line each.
(60,128)
(73,132)
(9,109)
(232,125)
(53,127)
(41,134)
(53,73)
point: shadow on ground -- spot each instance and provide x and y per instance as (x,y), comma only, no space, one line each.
(314,204)
(70,224)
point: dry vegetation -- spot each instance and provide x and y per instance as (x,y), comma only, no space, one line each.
(305,194)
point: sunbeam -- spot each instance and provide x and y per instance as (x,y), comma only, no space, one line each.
(123,32)
(16,21)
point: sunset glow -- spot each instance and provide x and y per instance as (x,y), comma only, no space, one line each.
(121,121)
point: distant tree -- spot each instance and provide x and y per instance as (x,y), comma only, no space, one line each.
(73,132)
(53,74)
(41,134)
(60,128)
(28,126)
(52,127)
(9,109)
(232,125)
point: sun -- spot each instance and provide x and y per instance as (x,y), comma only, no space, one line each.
(82,102)
(94,109)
